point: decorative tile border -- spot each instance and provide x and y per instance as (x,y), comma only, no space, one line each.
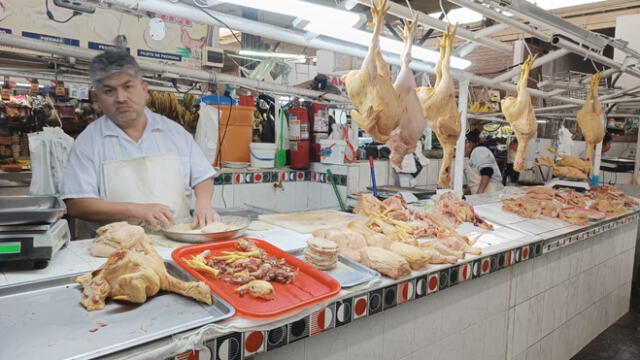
(273,176)
(237,346)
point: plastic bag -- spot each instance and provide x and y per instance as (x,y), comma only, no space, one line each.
(207,131)
(565,143)
(49,150)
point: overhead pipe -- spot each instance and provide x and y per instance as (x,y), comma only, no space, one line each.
(490,13)
(554,55)
(577,49)
(405,13)
(166,68)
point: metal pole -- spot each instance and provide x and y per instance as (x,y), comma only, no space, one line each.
(404,13)
(463,96)
(554,55)
(595,172)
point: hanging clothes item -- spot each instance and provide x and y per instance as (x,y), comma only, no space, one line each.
(265,105)
(49,151)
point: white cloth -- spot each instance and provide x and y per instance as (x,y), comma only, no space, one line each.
(481,157)
(148,179)
(49,151)
(207,131)
(473,181)
(84,175)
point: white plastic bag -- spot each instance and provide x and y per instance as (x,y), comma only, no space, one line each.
(207,131)
(49,150)
(565,143)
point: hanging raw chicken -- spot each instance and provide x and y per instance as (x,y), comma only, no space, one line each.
(377,107)
(589,118)
(519,113)
(412,122)
(440,109)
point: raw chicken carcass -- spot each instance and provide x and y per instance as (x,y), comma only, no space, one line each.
(377,106)
(117,236)
(440,110)
(589,118)
(463,211)
(134,275)
(385,262)
(519,113)
(412,122)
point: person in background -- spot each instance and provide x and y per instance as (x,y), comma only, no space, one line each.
(606,145)
(482,172)
(509,173)
(133,164)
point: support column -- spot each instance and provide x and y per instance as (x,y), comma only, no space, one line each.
(463,96)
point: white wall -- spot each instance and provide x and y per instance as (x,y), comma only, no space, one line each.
(627,29)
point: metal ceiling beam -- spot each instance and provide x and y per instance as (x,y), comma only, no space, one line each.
(554,55)
(405,13)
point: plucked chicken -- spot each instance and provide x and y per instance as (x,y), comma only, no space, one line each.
(440,109)
(134,275)
(377,106)
(412,122)
(519,113)
(589,118)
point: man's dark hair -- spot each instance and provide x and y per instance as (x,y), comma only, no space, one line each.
(473,136)
(607,139)
(112,61)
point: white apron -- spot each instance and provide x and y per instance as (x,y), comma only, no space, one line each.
(473,180)
(148,179)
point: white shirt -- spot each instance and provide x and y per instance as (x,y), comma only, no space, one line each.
(84,173)
(481,157)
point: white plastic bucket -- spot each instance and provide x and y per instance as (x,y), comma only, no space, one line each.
(332,151)
(263,155)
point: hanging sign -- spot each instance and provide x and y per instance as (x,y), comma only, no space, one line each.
(78,91)
(60,90)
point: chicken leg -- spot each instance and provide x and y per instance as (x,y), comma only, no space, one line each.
(377,106)
(412,122)
(440,109)
(589,118)
(519,113)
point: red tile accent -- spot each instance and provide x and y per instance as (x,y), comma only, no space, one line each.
(253,342)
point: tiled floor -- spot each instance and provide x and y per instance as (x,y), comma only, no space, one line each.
(621,341)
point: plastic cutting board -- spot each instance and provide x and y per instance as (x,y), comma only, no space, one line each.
(309,287)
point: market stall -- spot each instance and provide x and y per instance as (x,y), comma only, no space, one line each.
(435,188)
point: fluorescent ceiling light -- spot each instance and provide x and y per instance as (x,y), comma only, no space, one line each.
(558,4)
(272,54)
(302,9)
(338,24)
(386,44)
(460,15)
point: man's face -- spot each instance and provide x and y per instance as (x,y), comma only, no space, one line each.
(468,147)
(122,97)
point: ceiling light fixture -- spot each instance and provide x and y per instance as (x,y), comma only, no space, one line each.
(339,24)
(272,54)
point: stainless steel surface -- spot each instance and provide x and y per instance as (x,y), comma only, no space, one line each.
(240,225)
(44,319)
(24,228)
(24,210)
(348,272)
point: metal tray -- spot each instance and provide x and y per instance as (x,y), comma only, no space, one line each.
(239,223)
(348,272)
(44,319)
(24,210)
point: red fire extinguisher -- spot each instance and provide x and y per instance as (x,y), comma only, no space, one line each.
(299,137)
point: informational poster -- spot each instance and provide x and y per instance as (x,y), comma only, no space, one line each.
(181,41)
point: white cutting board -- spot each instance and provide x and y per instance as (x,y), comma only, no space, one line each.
(310,221)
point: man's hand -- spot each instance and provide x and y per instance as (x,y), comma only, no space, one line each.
(153,214)
(203,216)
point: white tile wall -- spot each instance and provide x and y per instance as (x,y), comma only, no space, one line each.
(428,314)
(536,312)
(399,327)
(365,338)
(328,345)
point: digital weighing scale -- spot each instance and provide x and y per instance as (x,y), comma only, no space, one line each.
(577,185)
(32,230)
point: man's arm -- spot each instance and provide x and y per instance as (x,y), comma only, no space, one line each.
(204,214)
(486,173)
(97,210)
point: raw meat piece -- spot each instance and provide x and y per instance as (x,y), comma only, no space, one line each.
(412,122)
(463,211)
(377,106)
(258,289)
(385,262)
(117,236)
(416,257)
(440,109)
(519,113)
(590,118)
(134,275)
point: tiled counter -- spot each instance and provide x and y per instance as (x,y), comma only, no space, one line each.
(525,297)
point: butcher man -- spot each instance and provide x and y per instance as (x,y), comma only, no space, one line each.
(133,164)
(482,172)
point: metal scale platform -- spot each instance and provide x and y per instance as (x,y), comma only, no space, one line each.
(32,230)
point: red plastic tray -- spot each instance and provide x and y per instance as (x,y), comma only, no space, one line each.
(309,286)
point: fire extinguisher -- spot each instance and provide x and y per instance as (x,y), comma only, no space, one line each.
(299,137)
